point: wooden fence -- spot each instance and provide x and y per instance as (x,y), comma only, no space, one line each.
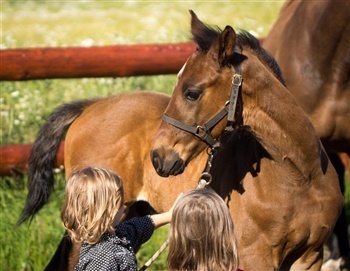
(80,62)
(14,158)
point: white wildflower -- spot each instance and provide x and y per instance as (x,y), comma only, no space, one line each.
(260,29)
(254,33)
(15,93)
(4,114)
(57,170)
(21,116)
(87,42)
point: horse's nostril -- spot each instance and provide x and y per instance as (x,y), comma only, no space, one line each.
(178,167)
(156,161)
(169,165)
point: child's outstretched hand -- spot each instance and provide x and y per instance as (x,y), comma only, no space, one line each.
(164,218)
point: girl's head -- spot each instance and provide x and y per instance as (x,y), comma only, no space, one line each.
(93,198)
(201,234)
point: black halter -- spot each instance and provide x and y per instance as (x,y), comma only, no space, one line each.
(203,131)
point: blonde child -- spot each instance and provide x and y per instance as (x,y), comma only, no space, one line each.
(91,213)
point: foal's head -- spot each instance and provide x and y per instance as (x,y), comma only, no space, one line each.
(202,91)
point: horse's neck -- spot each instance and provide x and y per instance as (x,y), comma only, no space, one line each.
(279,124)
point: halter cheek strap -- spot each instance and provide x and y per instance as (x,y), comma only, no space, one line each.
(232,103)
(236,84)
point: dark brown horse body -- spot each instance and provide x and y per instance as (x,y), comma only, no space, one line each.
(272,170)
(311,43)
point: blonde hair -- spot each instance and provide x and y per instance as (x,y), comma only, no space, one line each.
(93,197)
(201,234)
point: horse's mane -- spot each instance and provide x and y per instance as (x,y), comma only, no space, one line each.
(205,35)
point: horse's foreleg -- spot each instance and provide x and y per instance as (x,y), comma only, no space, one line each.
(310,261)
(73,255)
(65,257)
(59,260)
(340,228)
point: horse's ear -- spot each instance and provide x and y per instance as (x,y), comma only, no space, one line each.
(198,30)
(196,24)
(202,34)
(225,45)
(194,19)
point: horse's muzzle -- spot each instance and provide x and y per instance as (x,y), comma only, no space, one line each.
(165,165)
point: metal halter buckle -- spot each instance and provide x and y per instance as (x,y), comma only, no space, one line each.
(237,79)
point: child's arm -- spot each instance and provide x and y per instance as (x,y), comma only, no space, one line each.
(164,218)
(161,219)
(138,230)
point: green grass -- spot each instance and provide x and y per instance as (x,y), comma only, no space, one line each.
(28,248)
(25,105)
(347,194)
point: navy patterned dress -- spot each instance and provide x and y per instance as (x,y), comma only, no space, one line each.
(116,252)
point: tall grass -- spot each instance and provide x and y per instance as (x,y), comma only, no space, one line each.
(26,105)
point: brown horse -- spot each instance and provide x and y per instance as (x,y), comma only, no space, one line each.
(114,132)
(311,42)
(271,168)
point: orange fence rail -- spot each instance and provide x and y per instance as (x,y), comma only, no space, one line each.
(80,62)
(14,158)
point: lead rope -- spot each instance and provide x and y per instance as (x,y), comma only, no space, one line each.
(204,180)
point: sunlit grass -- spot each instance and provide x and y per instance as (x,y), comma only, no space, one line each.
(28,247)
(77,23)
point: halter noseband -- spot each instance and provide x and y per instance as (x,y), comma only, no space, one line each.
(203,131)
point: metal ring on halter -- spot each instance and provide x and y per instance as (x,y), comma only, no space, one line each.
(211,151)
(200,131)
(207,177)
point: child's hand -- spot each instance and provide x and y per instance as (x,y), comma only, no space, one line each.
(164,218)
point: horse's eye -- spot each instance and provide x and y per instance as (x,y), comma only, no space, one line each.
(192,95)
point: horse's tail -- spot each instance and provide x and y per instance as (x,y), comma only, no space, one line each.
(42,157)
